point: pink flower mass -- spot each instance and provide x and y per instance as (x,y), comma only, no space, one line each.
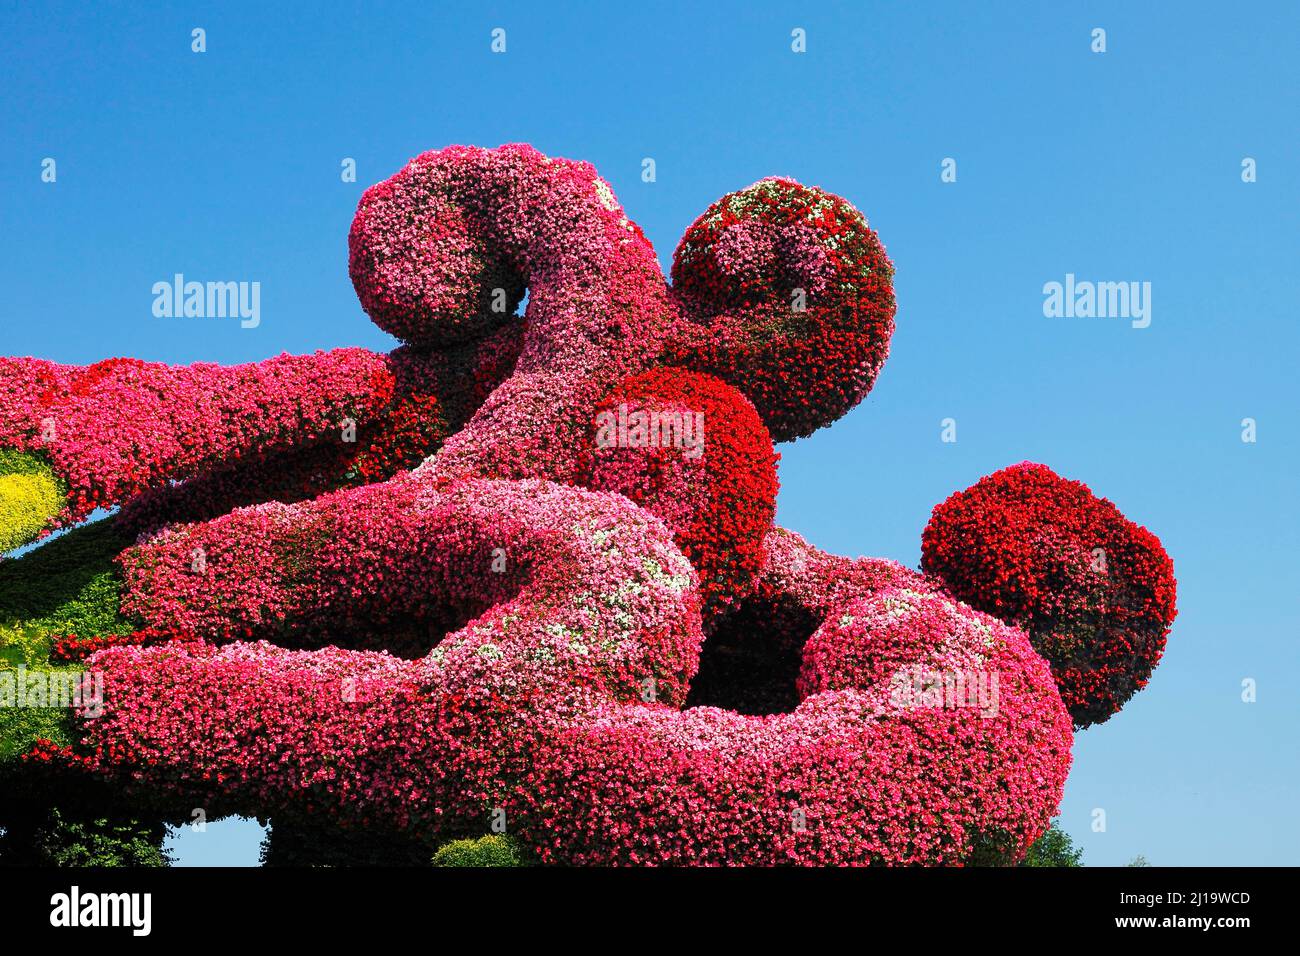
(471,607)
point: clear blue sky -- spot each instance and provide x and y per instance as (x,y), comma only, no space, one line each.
(1117,166)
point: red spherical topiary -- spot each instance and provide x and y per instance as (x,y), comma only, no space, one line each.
(792,298)
(1095,591)
(691,450)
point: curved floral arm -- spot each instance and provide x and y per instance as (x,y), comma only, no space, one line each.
(557,704)
(112,430)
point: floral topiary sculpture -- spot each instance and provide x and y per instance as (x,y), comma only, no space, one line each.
(521,574)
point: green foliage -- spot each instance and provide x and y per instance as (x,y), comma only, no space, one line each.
(494,850)
(24,656)
(20,727)
(1138,860)
(53,839)
(21,463)
(23,645)
(69,585)
(1053,848)
(28,648)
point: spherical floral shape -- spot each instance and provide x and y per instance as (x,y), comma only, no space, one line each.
(1095,591)
(691,450)
(792,301)
(426,266)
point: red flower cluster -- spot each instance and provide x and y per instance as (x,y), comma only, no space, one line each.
(861,771)
(434,394)
(1095,591)
(691,450)
(573,598)
(49,754)
(71,649)
(125,432)
(598,307)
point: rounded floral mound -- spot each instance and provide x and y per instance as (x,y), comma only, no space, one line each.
(522,571)
(1094,590)
(794,300)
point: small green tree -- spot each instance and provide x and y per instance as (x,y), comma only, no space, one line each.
(1053,848)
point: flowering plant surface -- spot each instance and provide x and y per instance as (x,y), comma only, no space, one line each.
(523,569)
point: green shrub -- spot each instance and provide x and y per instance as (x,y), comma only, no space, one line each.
(492,850)
(23,645)
(28,648)
(20,727)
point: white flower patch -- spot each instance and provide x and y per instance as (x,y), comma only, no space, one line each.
(562,633)
(605,195)
(677,583)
